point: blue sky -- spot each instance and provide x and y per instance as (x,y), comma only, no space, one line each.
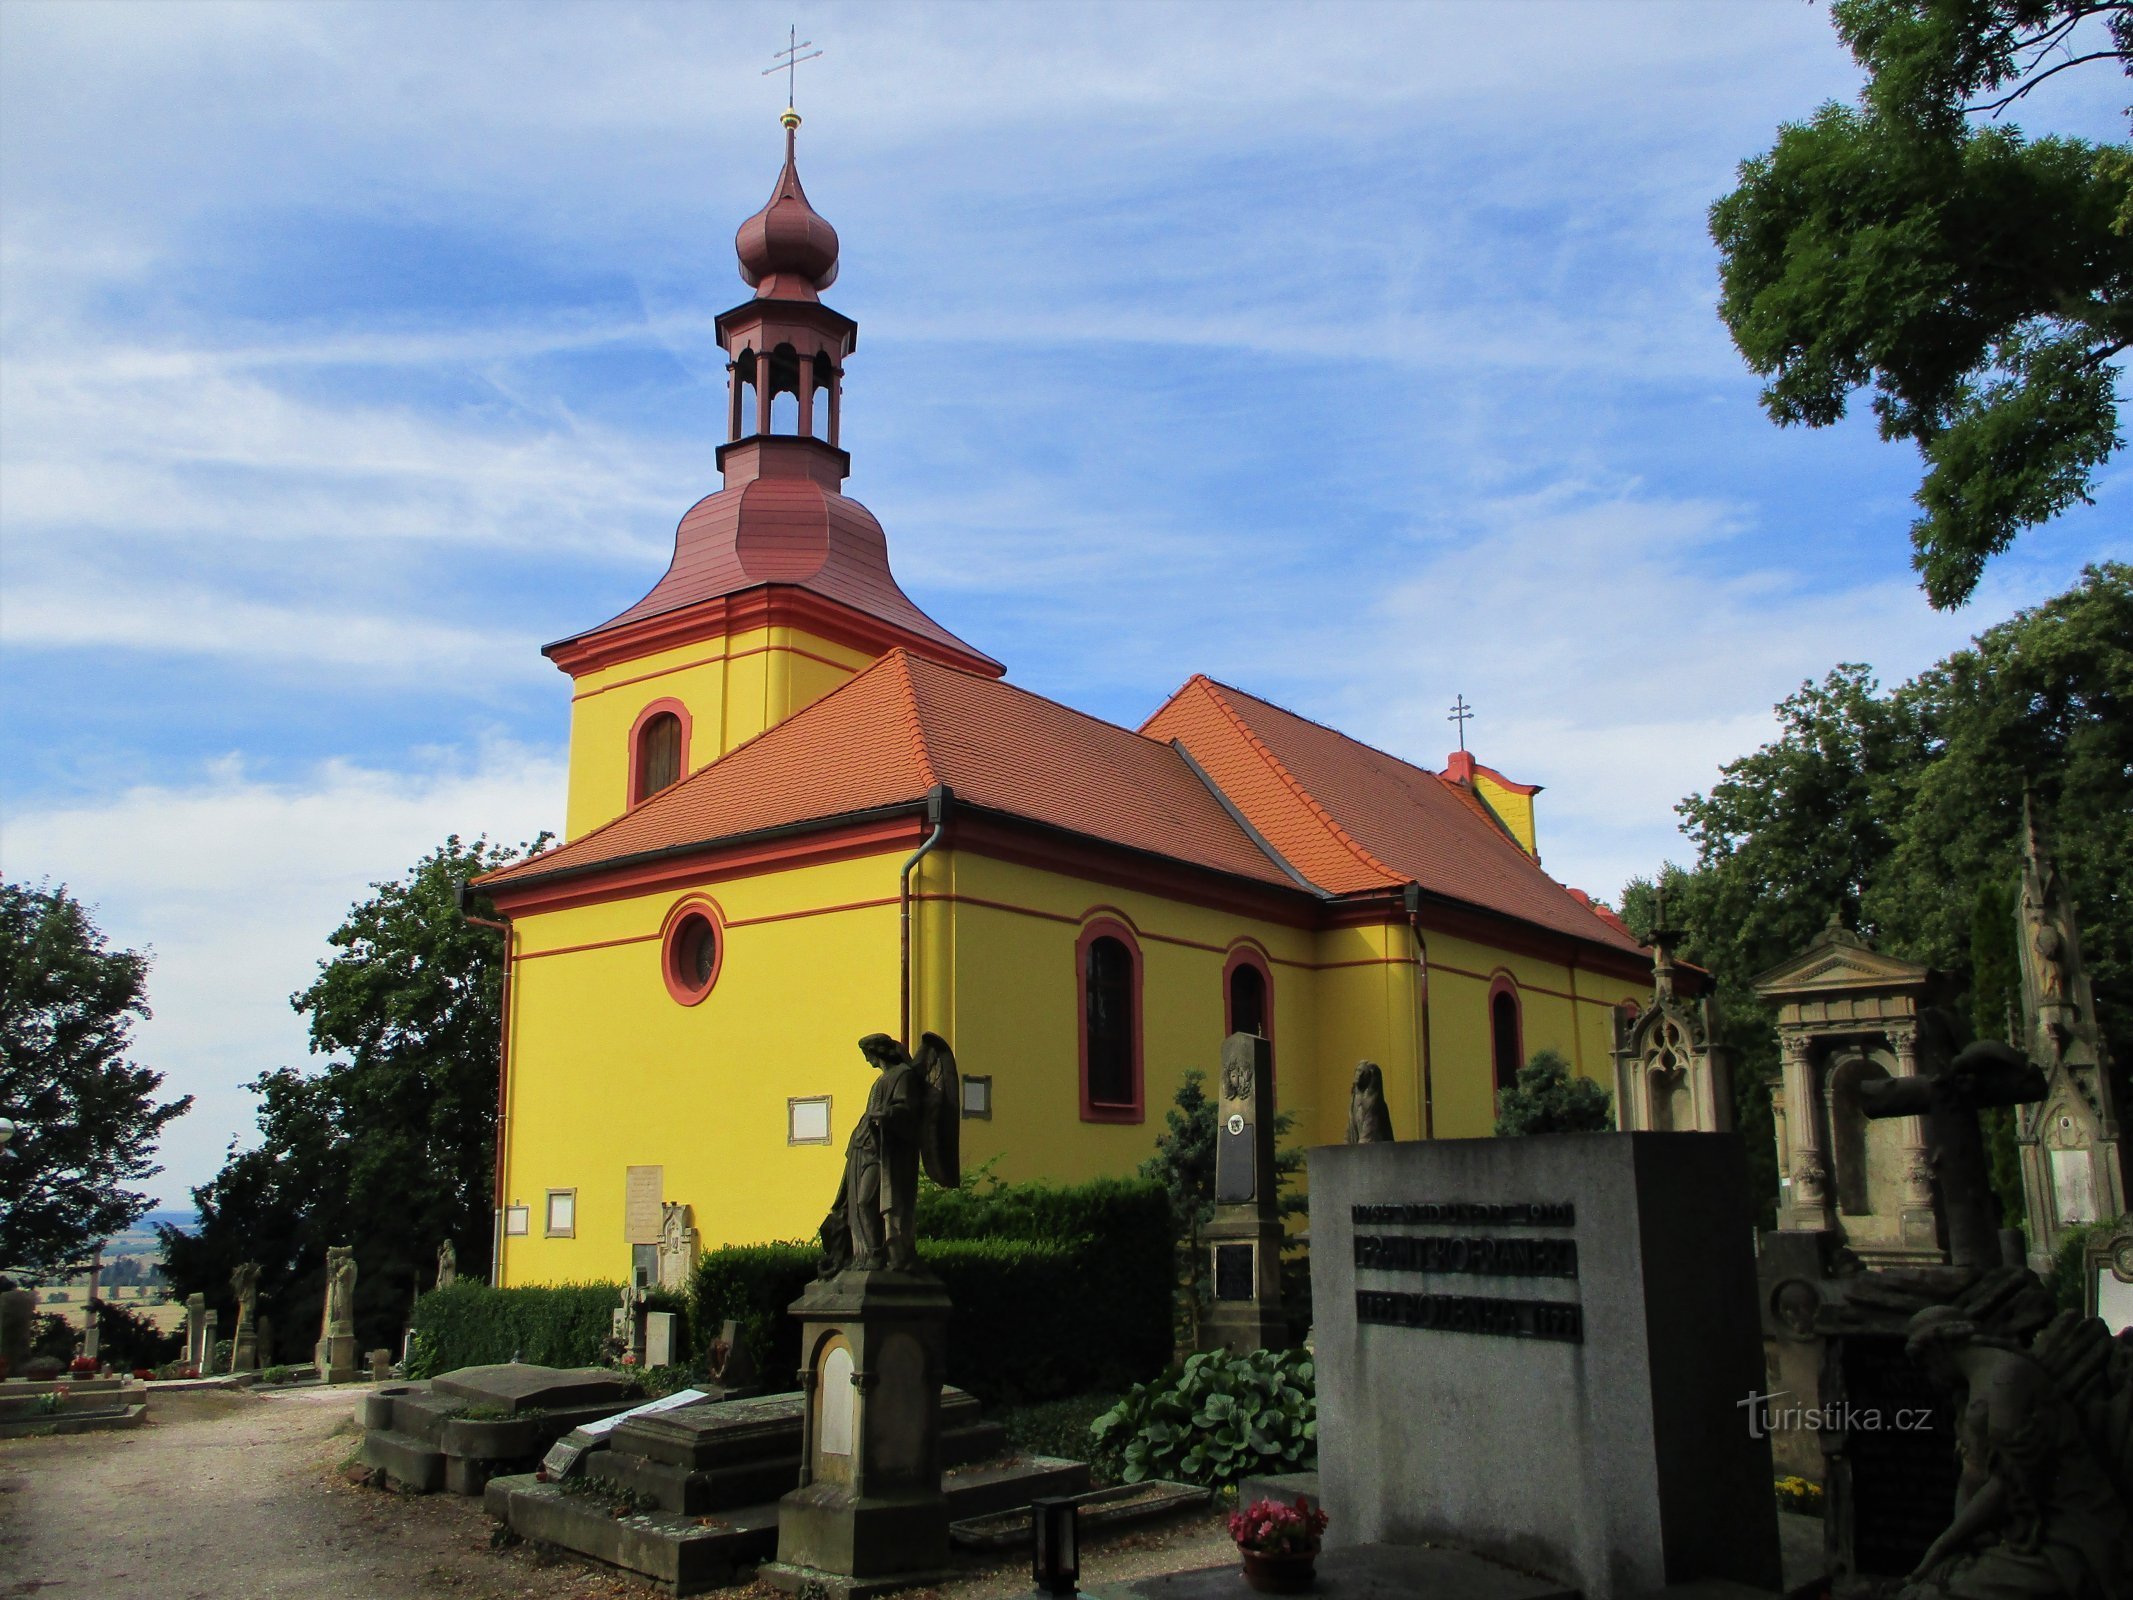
(1360,356)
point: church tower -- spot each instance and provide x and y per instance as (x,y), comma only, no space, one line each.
(780,589)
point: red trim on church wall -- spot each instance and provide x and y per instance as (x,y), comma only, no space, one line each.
(1247,953)
(684,990)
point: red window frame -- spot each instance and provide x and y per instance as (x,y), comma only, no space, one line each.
(1093,1110)
(1250,955)
(678,918)
(1504,984)
(637,729)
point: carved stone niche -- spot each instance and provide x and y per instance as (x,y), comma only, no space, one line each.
(1671,1074)
(1848,1016)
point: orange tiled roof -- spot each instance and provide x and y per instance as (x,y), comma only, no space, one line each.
(905,724)
(1352,818)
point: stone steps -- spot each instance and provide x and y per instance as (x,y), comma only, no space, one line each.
(98,1421)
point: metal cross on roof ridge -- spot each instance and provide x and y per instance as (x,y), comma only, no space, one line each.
(1461,712)
(791,59)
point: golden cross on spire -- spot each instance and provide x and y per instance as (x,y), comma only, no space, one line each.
(789,59)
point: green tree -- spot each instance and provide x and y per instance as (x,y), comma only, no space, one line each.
(391,1146)
(1547,1097)
(1978,281)
(1902,810)
(86,1116)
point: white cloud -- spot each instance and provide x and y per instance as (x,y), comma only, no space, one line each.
(235,883)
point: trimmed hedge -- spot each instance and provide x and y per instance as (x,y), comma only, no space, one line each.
(472,1325)
(1057,1290)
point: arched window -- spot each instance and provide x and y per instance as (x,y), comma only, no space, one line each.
(1110,974)
(1506,1049)
(659,749)
(1247,999)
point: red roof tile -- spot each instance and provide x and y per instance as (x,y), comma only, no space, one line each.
(1352,818)
(902,726)
(788,530)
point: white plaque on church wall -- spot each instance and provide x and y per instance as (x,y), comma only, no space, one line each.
(807,1121)
(836,1412)
(642,1190)
(2073,1186)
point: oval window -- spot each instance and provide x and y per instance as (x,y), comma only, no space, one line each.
(692,957)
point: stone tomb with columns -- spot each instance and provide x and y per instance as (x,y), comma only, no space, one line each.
(1848,1017)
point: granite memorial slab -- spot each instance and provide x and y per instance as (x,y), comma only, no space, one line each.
(1538,1350)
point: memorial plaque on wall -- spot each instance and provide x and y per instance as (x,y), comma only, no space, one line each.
(1233,1272)
(1235,1181)
(642,1190)
(1897,1452)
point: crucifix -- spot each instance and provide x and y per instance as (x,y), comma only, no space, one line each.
(1460,714)
(1949,1095)
(789,59)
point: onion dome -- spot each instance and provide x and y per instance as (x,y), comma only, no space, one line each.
(787,251)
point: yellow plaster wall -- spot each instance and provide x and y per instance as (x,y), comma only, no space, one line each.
(1560,1009)
(1513,810)
(608,1071)
(734,686)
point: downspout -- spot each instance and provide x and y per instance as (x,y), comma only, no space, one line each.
(503,1080)
(938,799)
(1426,1089)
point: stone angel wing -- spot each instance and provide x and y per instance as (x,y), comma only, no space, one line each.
(2094,1370)
(940,1123)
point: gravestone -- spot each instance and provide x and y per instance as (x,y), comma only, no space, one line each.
(659,1348)
(1538,1349)
(381,1365)
(1671,1073)
(210,1336)
(677,1248)
(1244,1240)
(197,1349)
(18,1317)
(335,1354)
(2107,1283)
(266,1340)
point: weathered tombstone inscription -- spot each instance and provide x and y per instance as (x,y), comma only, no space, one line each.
(1537,1349)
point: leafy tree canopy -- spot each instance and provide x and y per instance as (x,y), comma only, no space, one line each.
(86,1117)
(1981,283)
(1902,812)
(1547,1097)
(391,1146)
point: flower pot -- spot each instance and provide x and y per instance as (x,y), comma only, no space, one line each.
(1281,1574)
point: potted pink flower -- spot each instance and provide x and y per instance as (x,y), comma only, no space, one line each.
(1279,1544)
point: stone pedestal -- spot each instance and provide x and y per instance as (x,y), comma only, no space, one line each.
(869,1516)
(1244,1240)
(18,1318)
(244,1351)
(199,1350)
(335,1358)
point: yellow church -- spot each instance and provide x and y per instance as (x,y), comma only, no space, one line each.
(801,811)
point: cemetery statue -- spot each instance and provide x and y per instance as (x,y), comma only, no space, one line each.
(2044,1503)
(340,1290)
(244,1284)
(1368,1120)
(913,1116)
(447,1264)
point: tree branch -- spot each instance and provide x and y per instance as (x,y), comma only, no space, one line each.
(2008,99)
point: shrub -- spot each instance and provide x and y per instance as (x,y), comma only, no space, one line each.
(128,1339)
(1217,1419)
(54,1338)
(1016,1259)
(1547,1098)
(2064,1279)
(472,1325)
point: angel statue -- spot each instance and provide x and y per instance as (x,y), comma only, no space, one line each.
(2043,1507)
(913,1116)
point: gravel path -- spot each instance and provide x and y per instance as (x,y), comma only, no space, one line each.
(240,1496)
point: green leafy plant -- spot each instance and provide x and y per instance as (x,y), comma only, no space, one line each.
(1216,1419)
(1548,1098)
(275,1375)
(473,1325)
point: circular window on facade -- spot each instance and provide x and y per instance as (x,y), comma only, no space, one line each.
(692,957)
